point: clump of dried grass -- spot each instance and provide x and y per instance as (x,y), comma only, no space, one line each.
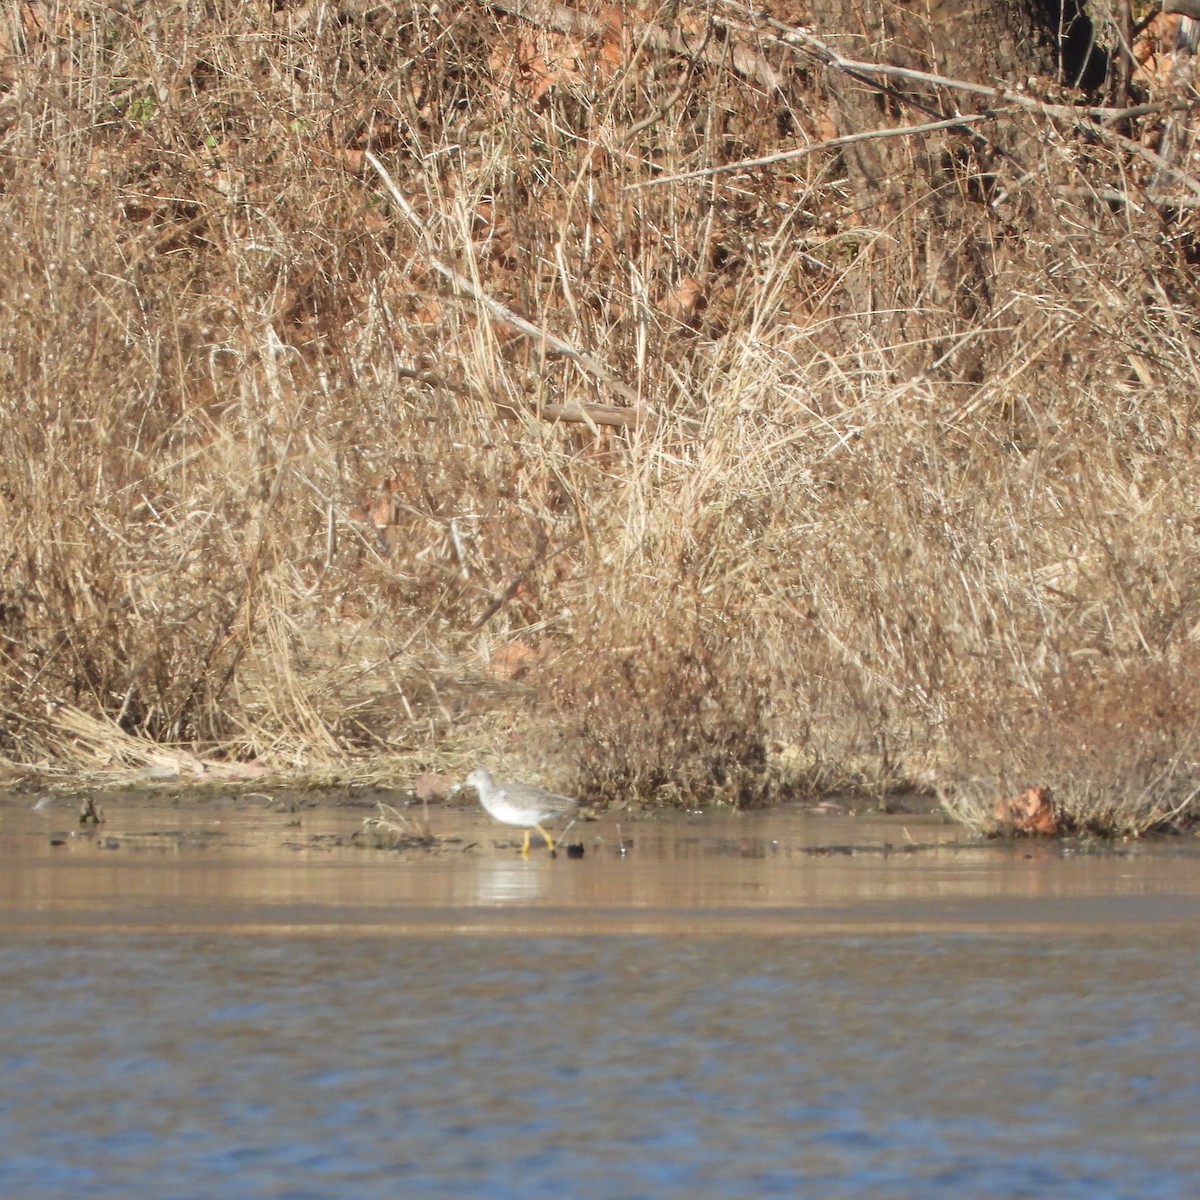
(1117,743)
(270,489)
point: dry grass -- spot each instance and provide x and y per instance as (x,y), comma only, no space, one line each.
(271,490)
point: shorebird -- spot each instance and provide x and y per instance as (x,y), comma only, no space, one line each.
(521,804)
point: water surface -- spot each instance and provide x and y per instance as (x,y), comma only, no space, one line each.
(221,1002)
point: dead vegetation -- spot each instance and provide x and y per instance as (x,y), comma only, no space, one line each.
(442,385)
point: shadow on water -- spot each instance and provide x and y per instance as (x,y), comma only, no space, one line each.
(221,1001)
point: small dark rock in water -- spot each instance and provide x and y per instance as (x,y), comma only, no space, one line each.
(90,813)
(58,839)
(575,850)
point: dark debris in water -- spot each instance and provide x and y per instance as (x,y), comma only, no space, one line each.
(883,849)
(377,837)
(157,839)
(319,841)
(390,829)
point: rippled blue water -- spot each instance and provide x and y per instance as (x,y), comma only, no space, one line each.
(614,1066)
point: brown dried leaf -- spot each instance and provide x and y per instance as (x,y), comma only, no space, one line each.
(687,301)
(1030,812)
(432,787)
(512,661)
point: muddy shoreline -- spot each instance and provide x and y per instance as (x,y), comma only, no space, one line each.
(313,862)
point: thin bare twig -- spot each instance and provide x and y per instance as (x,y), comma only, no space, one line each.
(795,38)
(500,312)
(510,591)
(582,414)
(784,155)
(694,60)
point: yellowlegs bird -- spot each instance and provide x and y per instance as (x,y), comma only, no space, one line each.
(521,804)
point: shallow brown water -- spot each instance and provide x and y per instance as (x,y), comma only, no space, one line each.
(232,1000)
(246,865)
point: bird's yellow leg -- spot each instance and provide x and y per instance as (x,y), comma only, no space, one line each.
(525,847)
(549,842)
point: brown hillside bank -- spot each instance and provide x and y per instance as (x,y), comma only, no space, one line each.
(690,402)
